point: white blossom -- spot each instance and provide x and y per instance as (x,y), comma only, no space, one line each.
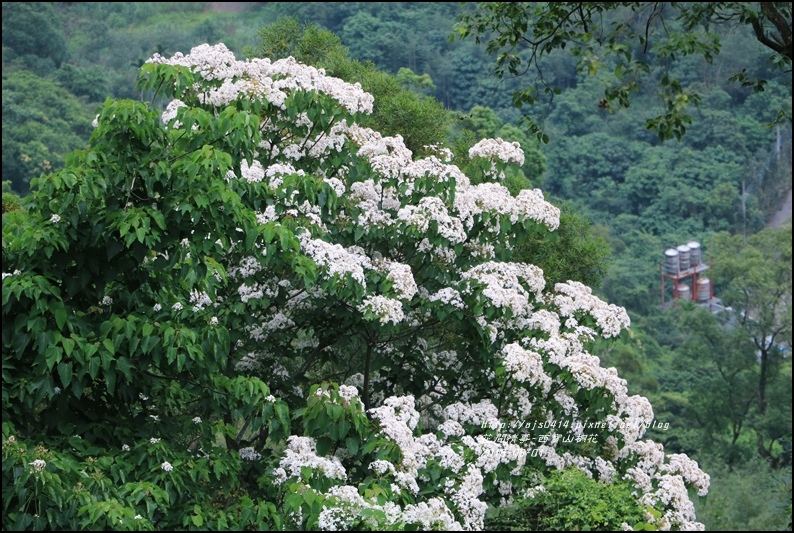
(301,452)
(386,309)
(509,152)
(38,465)
(249,454)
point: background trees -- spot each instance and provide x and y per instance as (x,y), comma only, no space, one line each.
(42,124)
(632,41)
(756,280)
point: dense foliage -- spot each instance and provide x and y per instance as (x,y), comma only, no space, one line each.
(250,311)
(632,41)
(728,173)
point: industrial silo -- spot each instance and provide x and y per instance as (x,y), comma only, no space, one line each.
(703,290)
(684,292)
(694,253)
(671,261)
(683,257)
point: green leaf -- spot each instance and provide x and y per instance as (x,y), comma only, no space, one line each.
(65,373)
(340,430)
(110,380)
(93,367)
(125,366)
(68,345)
(282,413)
(149,343)
(60,317)
(294,501)
(352,444)
(53,356)
(113,248)
(108,344)
(324,445)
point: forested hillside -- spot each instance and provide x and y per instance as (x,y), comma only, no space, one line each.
(718,376)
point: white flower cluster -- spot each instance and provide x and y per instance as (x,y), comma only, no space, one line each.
(680,464)
(259,78)
(472,201)
(247,267)
(452,428)
(663,485)
(276,172)
(253,173)
(400,275)
(248,293)
(345,507)
(509,152)
(38,465)
(466,500)
(448,296)
(170,112)
(302,452)
(336,260)
(478,414)
(398,419)
(587,370)
(431,515)
(386,309)
(432,209)
(441,254)
(348,393)
(490,454)
(507,285)
(337,185)
(8,274)
(278,321)
(387,156)
(526,366)
(573,296)
(249,454)
(374,204)
(433,166)
(200,300)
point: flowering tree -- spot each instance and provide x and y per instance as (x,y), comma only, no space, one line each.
(248,311)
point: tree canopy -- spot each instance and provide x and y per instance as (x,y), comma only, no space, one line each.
(632,41)
(250,311)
